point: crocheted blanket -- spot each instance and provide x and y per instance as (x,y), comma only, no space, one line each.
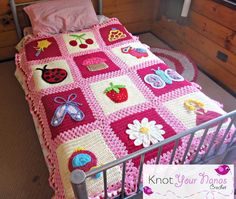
(100,94)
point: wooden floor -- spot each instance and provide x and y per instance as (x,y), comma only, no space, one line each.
(23,172)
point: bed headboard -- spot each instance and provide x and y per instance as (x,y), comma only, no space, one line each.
(14,6)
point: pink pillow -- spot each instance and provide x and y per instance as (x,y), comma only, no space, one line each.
(58,16)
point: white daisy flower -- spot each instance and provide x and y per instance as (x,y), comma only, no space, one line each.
(145,132)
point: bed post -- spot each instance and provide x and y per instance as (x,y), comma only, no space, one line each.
(100,7)
(78,178)
(15,17)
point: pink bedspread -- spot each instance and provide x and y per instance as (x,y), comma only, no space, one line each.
(100,94)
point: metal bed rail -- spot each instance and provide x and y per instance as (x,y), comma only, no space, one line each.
(78,177)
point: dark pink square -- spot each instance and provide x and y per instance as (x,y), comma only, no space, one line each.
(51,50)
(121,126)
(168,87)
(114,34)
(84,61)
(50,107)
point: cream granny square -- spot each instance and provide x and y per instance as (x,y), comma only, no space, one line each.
(108,106)
(132,55)
(40,83)
(95,143)
(76,48)
(188,118)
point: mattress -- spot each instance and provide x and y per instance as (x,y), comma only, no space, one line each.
(100,94)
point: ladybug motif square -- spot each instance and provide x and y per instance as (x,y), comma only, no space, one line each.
(190,118)
(80,42)
(41,49)
(113,34)
(116,93)
(160,79)
(95,64)
(52,74)
(121,129)
(134,53)
(62,108)
(95,144)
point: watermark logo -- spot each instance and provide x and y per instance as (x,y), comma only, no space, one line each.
(188,181)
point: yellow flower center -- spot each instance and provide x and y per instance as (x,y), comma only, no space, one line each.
(144,130)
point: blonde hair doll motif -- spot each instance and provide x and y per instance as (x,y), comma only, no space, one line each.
(202,114)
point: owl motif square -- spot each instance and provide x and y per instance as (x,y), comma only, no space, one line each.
(134,53)
(116,93)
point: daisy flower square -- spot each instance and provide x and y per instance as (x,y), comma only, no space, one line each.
(145,132)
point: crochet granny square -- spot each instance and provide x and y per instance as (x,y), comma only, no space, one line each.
(108,106)
(94,143)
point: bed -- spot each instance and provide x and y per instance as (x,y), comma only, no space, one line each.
(103,105)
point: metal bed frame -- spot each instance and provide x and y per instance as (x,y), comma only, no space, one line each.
(78,177)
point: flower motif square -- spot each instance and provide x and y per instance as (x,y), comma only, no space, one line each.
(134,53)
(80,42)
(120,128)
(95,64)
(166,87)
(68,122)
(41,49)
(108,106)
(114,33)
(95,143)
(52,74)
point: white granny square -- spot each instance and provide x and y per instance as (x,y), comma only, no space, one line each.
(188,118)
(108,106)
(95,143)
(76,48)
(40,83)
(130,57)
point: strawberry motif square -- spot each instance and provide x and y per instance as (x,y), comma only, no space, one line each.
(74,97)
(134,53)
(52,74)
(80,42)
(160,79)
(127,94)
(95,144)
(178,107)
(121,126)
(94,64)
(41,49)
(113,34)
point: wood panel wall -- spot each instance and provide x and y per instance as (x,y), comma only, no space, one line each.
(211,30)
(137,16)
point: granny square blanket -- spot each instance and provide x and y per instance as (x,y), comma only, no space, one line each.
(100,94)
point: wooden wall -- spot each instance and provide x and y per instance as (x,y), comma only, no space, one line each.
(137,16)
(211,29)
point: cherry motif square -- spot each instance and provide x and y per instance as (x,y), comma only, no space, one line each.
(34,53)
(168,87)
(120,127)
(114,34)
(68,123)
(94,58)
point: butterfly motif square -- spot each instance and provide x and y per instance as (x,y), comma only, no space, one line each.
(156,78)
